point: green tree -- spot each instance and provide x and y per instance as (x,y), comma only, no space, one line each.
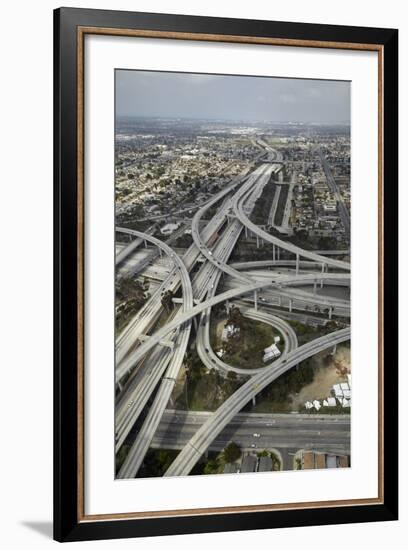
(262,453)
(232,452)
(211,467)
(232,375)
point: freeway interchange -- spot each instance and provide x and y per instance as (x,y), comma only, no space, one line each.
(150,353)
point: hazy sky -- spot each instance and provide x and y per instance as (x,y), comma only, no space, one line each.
(163,94)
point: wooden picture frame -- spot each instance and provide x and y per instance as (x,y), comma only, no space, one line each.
(70,27)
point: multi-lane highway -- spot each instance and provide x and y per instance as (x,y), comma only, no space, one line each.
(239,210)
(129,362)
(321,432)
(207,278)
(202,439)
(151,349)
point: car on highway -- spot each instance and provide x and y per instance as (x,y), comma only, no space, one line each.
(256,435)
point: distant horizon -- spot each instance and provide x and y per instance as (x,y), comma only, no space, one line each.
(236,121)
(231,98)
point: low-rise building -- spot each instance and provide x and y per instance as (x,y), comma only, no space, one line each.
(308,460)
(272,352)
(312,460)
(320,461)
(248,464)
(331,461)
(230,468)
(265,464)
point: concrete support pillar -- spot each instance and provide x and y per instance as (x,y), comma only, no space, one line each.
(255,299)
(278,253)
(227,307)
(321,283)
(257,241)
(334,349)
(297,264)
(330,312)
(290,304)
(246,232)
(323,268)
(195,322)
(254,401)
(314,288)
(145,243)
(160,252)
(273,252)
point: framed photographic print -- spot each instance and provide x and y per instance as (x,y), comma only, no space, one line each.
(225,274)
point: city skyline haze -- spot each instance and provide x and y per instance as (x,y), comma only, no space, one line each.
(230,97)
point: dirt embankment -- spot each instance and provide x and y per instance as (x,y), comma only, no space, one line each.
(328,372)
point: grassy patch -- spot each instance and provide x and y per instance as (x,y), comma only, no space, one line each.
(307,333)
(245,350)
(203,390)
(263,204)
(277,396)
(280,209)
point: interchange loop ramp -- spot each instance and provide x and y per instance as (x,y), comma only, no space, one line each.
(202,439)
(135,356)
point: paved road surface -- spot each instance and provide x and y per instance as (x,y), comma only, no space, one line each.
(317,431)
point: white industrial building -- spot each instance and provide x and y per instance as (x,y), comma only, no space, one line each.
(272,352)
(169,228)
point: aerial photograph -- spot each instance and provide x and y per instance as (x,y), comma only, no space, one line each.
(232,274)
